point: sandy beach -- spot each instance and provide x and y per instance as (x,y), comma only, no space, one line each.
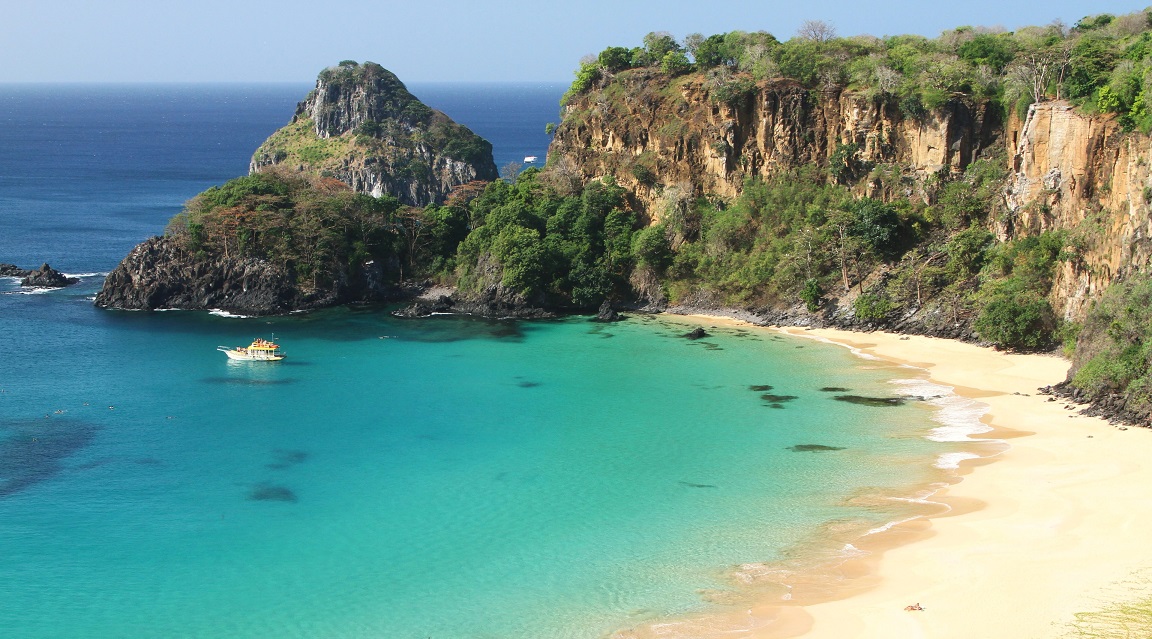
(1051,527)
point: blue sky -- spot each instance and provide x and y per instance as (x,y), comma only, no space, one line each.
(426,40)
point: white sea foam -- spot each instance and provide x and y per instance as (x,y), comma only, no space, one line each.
(959,417)
(219,312)
(891,524)
(950,461)
(33,291)
(852,551)
(85,275)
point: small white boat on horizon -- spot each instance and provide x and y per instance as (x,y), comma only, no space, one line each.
(529,158)
(260,350)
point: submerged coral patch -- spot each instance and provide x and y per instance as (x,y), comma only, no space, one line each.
(813,448)
(777,399)
(693,485)
(271,492)
(871,401)
(834,389)
(285,458)
(33,451)
(760,388)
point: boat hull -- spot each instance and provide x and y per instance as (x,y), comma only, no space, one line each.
(251,357)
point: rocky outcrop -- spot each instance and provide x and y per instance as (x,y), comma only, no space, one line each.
(362,126)
(47,277)
(11,270)
(492,301)
(161,274)
(690,138)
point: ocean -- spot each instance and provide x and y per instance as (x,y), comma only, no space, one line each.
(448,477)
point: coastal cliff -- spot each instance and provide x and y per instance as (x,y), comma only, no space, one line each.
(653,133)
(361,126)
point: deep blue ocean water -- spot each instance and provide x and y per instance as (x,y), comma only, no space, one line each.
(450,477)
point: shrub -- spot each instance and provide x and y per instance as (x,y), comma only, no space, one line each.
(869,307)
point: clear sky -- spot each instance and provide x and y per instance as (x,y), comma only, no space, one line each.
(428,40)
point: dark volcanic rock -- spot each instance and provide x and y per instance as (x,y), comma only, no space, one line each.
(159,273)
(606,314)
(47,277)
(494,301)
(11,270)
(696,333)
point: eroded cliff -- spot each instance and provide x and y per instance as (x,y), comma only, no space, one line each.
(1084,174)
(694,136)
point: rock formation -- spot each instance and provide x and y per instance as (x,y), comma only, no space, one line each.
(362,126)
(11,270)
(161,273)
(47,277)
(684,138)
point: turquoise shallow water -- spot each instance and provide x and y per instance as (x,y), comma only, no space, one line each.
(448,477)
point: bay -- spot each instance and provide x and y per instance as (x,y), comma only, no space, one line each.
(450,477)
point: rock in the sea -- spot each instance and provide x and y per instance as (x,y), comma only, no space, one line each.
(47,277)
(696,333)
(159,273)
(11,270)
(607,314)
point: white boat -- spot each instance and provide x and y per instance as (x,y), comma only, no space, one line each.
(260,350)
(530,158)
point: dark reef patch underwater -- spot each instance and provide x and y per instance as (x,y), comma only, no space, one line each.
(34,450)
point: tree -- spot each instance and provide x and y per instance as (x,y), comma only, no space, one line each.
(675,63)
(615,59)
(712,52)
(511,171)
(816,31)
(657,44)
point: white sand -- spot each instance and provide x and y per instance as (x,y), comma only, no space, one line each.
(1046,530)
(1065,518)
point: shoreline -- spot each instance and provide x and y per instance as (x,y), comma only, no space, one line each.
(1022,538)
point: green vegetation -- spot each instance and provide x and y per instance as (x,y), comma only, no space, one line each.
(576,250)
(1114,350)
(1103,64)
(316,228)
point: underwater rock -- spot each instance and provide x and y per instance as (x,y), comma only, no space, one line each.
(696,333)
(692,485)
(871,401)
(760,388)
(813,448)
(777,399)
(834,389)
(33,451)
(271,492)
(287,458)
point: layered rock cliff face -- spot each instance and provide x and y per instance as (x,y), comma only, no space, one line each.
(693,136)
(361,126)
(1068,170)
(1081,173)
